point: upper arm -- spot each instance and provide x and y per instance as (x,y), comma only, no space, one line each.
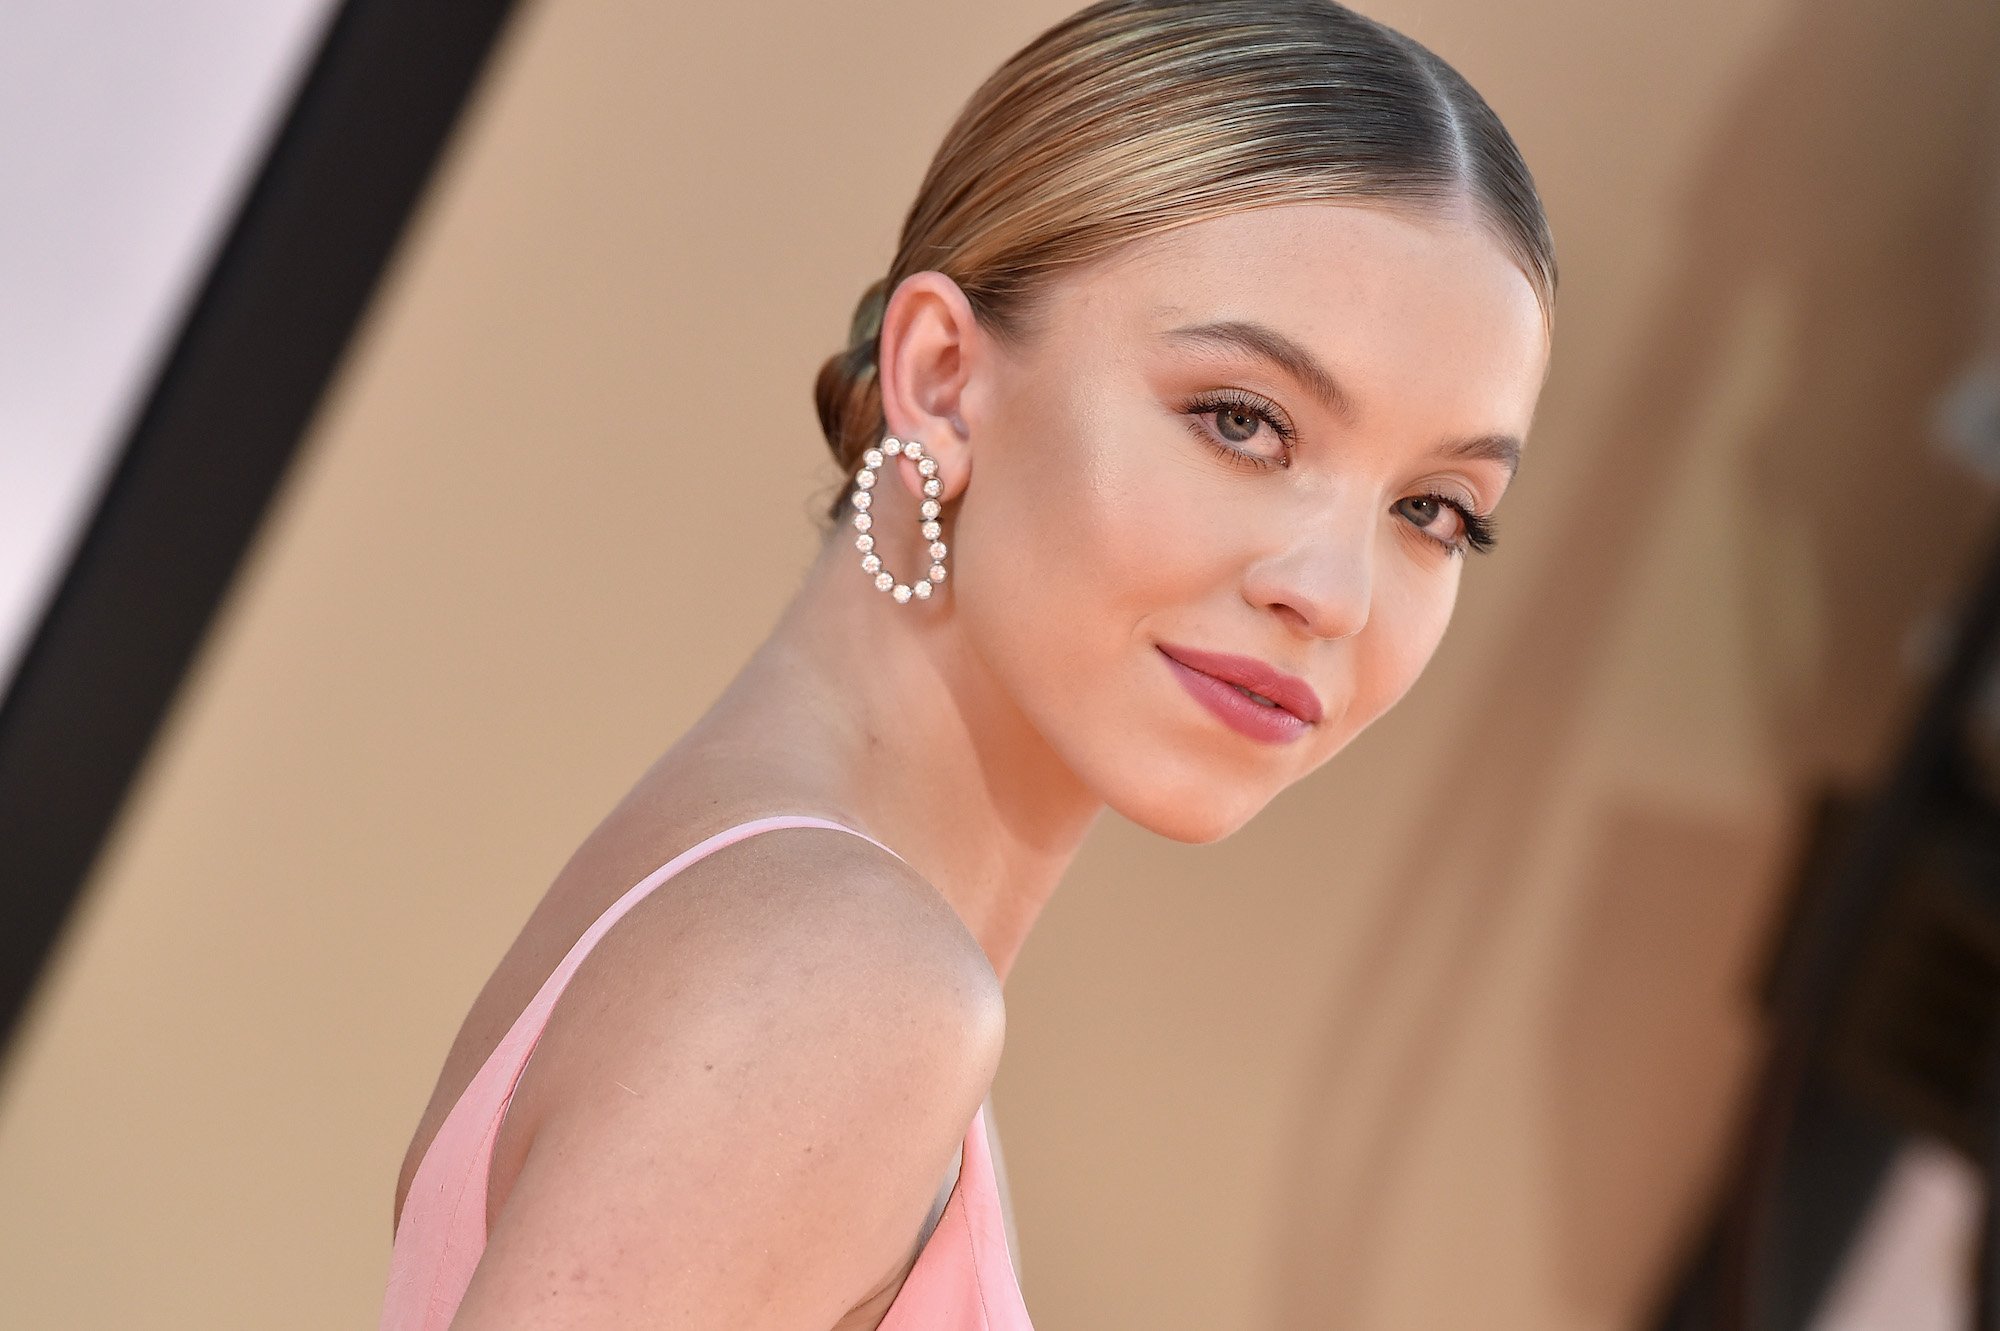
(752,1135)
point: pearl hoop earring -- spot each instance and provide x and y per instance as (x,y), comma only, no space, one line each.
(864,482)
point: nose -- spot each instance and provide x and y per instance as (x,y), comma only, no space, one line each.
(1321,583)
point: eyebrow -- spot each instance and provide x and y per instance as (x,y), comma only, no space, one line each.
(1263,340)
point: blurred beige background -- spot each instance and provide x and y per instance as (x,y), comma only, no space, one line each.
(1449,1037)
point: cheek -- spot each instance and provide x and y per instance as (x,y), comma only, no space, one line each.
(1077,534)
(1406,622)
(1069,535)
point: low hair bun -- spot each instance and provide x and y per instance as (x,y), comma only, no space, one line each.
(867,325)
(846,392)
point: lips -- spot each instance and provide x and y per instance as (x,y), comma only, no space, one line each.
(1288,691)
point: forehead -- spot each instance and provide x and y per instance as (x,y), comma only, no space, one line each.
(1402,309)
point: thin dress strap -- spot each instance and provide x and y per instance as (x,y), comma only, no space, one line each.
(442,1229)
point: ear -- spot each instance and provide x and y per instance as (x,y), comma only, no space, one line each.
(931,348)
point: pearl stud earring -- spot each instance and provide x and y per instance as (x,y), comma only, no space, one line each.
(864,484)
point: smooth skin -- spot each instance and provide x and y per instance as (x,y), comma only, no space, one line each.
(744,1103)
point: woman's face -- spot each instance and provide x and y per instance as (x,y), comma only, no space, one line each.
(1252,436)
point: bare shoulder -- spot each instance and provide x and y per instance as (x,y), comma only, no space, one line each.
(753,1086)
(810,911)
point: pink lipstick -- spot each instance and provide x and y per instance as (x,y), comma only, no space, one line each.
(1284,710)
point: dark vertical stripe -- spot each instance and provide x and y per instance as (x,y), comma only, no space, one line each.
(210,446)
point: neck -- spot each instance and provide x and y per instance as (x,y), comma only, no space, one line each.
(881,714)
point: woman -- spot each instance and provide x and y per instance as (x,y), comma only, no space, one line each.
(1203,361)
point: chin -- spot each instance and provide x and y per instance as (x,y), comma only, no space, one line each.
(1192,813)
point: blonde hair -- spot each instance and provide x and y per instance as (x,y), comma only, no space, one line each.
(1134,116)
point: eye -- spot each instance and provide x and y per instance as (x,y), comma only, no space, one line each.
(1475,531)
(1228,419)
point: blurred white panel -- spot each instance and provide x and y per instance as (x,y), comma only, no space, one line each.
(1912,1267)
(128,132)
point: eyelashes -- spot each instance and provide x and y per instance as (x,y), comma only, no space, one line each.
(1243,403)
(1480,533)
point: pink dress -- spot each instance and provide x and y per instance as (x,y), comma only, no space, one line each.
(963,1279)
